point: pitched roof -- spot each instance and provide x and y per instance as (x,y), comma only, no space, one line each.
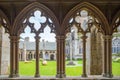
(31,45)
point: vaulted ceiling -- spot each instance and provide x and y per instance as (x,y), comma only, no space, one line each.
(59,7)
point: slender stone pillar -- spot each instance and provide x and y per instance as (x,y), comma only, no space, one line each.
(17,56)
(12,56)
(37,56)
(84,37)
(32,56)
(24,54)
(60,57)
(107,56)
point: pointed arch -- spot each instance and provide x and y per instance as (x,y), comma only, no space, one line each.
(30,8)
(3,16)
(92,9)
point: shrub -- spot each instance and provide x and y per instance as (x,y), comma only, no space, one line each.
(117,54)
(117,59)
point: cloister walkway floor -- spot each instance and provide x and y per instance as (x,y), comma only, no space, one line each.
(5,77)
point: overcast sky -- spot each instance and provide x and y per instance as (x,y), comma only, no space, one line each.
(47,36)
(37,19)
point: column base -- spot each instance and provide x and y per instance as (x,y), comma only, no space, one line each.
(104,74)
(37,75)
(84,75)
(17,75)
(12,75)
(109,75)
(60,75)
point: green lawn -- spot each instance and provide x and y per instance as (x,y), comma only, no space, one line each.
(28,69)
(116,68)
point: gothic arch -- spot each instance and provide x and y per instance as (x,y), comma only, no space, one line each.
(113,25)
(7,24)
(91,8)
(30,8)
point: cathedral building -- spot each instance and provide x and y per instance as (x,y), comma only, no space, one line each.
(47,50)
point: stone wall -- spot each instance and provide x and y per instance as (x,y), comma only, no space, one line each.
(94,53)
(4,52)
(0,47)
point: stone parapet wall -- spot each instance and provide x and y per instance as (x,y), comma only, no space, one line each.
(5,52)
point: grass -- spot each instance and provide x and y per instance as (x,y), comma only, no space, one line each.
(74,70)
(28,69)
(116,68)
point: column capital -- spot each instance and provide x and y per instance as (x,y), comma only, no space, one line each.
(37,37)
(84,37)
(14,38)
(60,37)
(107,36)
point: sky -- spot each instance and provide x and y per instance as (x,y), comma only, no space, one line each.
(37,19)
(47,36)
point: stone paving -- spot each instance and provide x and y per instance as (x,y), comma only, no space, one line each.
(5,77)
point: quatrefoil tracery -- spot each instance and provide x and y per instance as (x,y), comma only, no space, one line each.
(37,21)
(84,20)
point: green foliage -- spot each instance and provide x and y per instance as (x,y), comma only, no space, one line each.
(116,68)
(117,54)
(117,60)
(116,35)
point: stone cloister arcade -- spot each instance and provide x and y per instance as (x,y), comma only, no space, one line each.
(14,17)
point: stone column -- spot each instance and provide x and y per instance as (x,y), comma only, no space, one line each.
(32,56)
(107,72)
(43,51)
(24,55)
(71,51)
(84,37)
(12,56)
(37,56)
(17,56)
(60,57)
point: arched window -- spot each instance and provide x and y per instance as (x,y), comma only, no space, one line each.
(84,34)
(38,22)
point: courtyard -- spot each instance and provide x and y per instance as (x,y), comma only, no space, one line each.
(28,68)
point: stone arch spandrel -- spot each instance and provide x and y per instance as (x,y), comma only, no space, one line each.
(93,9)
(7,24)
(113,24)
(30,8)
(4,43)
